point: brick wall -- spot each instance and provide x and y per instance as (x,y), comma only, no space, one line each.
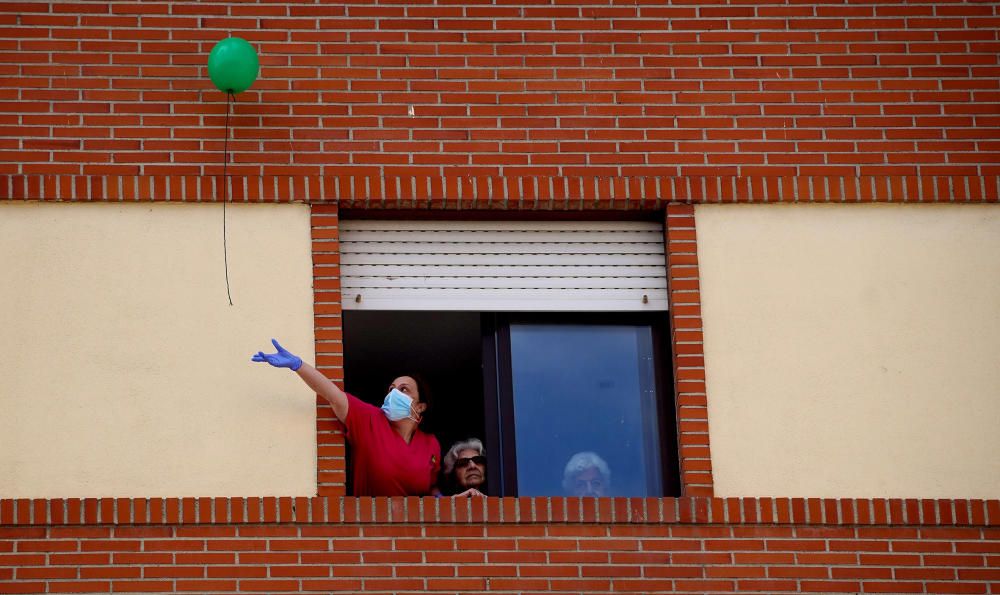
(338,544)
(694,545)
(607,88)
(565,107)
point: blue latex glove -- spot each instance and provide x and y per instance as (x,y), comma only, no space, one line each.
(282,359)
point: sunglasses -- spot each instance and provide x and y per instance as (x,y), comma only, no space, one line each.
(462,463)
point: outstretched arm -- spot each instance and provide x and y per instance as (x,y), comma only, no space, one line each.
(323,386)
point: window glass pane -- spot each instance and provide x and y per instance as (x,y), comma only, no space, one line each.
(585,389)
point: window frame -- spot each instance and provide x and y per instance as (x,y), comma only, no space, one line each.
(498,391)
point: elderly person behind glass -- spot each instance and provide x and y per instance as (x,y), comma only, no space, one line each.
(586,474)
(464,468)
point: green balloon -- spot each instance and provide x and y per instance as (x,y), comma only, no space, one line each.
(233,65)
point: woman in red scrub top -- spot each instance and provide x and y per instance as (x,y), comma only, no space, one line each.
(391,455)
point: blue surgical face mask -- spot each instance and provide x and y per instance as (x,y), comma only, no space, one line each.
(396,406)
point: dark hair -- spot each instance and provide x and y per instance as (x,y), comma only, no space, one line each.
(424,390)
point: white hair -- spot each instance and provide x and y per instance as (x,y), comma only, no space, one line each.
(449,459)
(579,463)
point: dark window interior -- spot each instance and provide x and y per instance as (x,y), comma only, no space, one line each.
(582,382)
(443,347)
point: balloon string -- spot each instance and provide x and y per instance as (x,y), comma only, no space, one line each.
(225,197)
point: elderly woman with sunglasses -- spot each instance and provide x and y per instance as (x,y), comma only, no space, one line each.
(465,468)
(392,456)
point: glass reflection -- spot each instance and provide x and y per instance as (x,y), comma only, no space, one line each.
(585,410)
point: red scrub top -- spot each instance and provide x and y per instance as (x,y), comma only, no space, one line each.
(384,464)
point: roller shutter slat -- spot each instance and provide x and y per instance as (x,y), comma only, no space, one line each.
(355,225)
(609,283)
(501,259)
(389,247)
(514,237)
(628,300)
(458,270)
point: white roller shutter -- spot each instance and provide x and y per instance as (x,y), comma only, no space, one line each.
(503,265)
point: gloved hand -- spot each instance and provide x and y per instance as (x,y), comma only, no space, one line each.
(282,359)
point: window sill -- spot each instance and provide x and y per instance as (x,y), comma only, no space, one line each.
(414,510)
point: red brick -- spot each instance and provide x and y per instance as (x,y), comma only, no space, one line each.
(205,585)
(46,572)
(892,587)
(79,586)
(830,586)
(241,571)
(47,546)
(268,585)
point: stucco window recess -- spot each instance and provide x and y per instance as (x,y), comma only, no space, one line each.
(132,373)
(850,350)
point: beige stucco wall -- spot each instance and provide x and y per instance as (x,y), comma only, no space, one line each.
(125,370)
(852,350)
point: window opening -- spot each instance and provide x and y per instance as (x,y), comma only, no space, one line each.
(536,389)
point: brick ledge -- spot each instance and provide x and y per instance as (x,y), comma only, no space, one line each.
(505,192)
(338,509)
